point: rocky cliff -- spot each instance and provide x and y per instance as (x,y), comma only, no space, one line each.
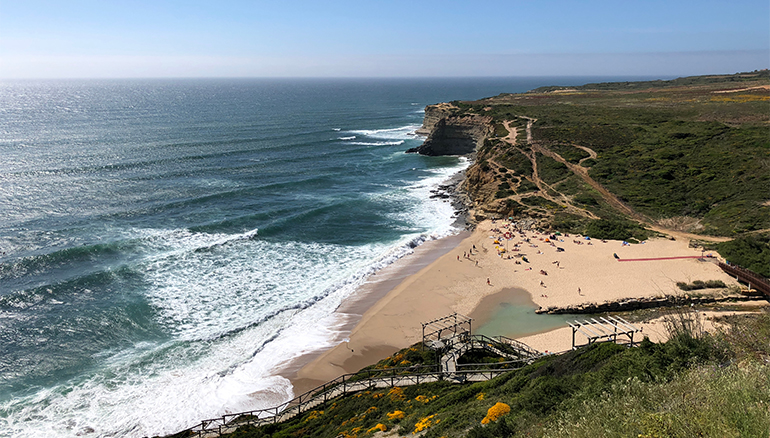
(434,113)
(450,133)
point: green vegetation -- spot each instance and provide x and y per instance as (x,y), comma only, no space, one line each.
(699,284)
(616,230)
(517,162)
(504,191)
(500,130)
(735,80)
(751,252)
(570,153)
(696,384)
(694,147)
(526,186)
(550,170)
(590,162)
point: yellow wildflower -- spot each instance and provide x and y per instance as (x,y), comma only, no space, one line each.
(381,427)
(425,423)
(313,415)
(495,412)
(425,399)
(396,415)
(396,393)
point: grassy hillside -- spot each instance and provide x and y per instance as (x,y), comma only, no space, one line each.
(693,385)
(695,151)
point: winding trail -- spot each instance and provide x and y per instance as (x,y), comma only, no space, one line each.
(544,188)
(582,172)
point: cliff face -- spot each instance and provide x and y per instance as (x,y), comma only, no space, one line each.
(451,134)
(434,113)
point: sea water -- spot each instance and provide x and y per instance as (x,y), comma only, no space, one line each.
(167,246)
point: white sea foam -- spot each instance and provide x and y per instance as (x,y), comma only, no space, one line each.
(377,143)
(352,137)
(222,296)
(435,214)
(238,310)
(400,133)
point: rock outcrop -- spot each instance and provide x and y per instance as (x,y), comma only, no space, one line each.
(452,134)
(434,113)
(644,303)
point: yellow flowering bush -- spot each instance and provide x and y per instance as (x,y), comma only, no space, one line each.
(424,398)
(313,415)
(396,394)
(495,412)
(425,423)
(396,415)
(480,396)
(381,427)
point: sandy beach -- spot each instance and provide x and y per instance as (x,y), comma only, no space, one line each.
(582,271)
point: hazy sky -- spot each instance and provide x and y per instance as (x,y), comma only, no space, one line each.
(157,38)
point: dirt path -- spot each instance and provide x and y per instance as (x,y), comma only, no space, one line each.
(544,188)
(582,172)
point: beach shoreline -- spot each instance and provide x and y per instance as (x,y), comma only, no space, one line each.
(377,287)
(448,275)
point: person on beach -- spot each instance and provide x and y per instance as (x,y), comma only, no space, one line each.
(579,292)
(488,282)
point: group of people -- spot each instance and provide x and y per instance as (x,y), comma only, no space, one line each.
(508,232)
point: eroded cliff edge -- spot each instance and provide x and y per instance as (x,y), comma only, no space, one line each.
(451,133)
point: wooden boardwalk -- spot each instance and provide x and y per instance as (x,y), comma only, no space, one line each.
(450,371)
(753,279)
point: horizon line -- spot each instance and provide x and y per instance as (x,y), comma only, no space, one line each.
(342,77)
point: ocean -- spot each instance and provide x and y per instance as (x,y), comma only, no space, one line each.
(167,246)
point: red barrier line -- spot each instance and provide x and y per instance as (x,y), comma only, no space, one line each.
(662,258)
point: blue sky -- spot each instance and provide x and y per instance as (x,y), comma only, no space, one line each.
(42,39)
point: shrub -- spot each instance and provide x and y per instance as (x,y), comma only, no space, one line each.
(615,229)
(698,284)
(751,252)
(425,423)
(495,412)
(379,427)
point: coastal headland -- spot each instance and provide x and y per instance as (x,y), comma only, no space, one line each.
(551,221)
